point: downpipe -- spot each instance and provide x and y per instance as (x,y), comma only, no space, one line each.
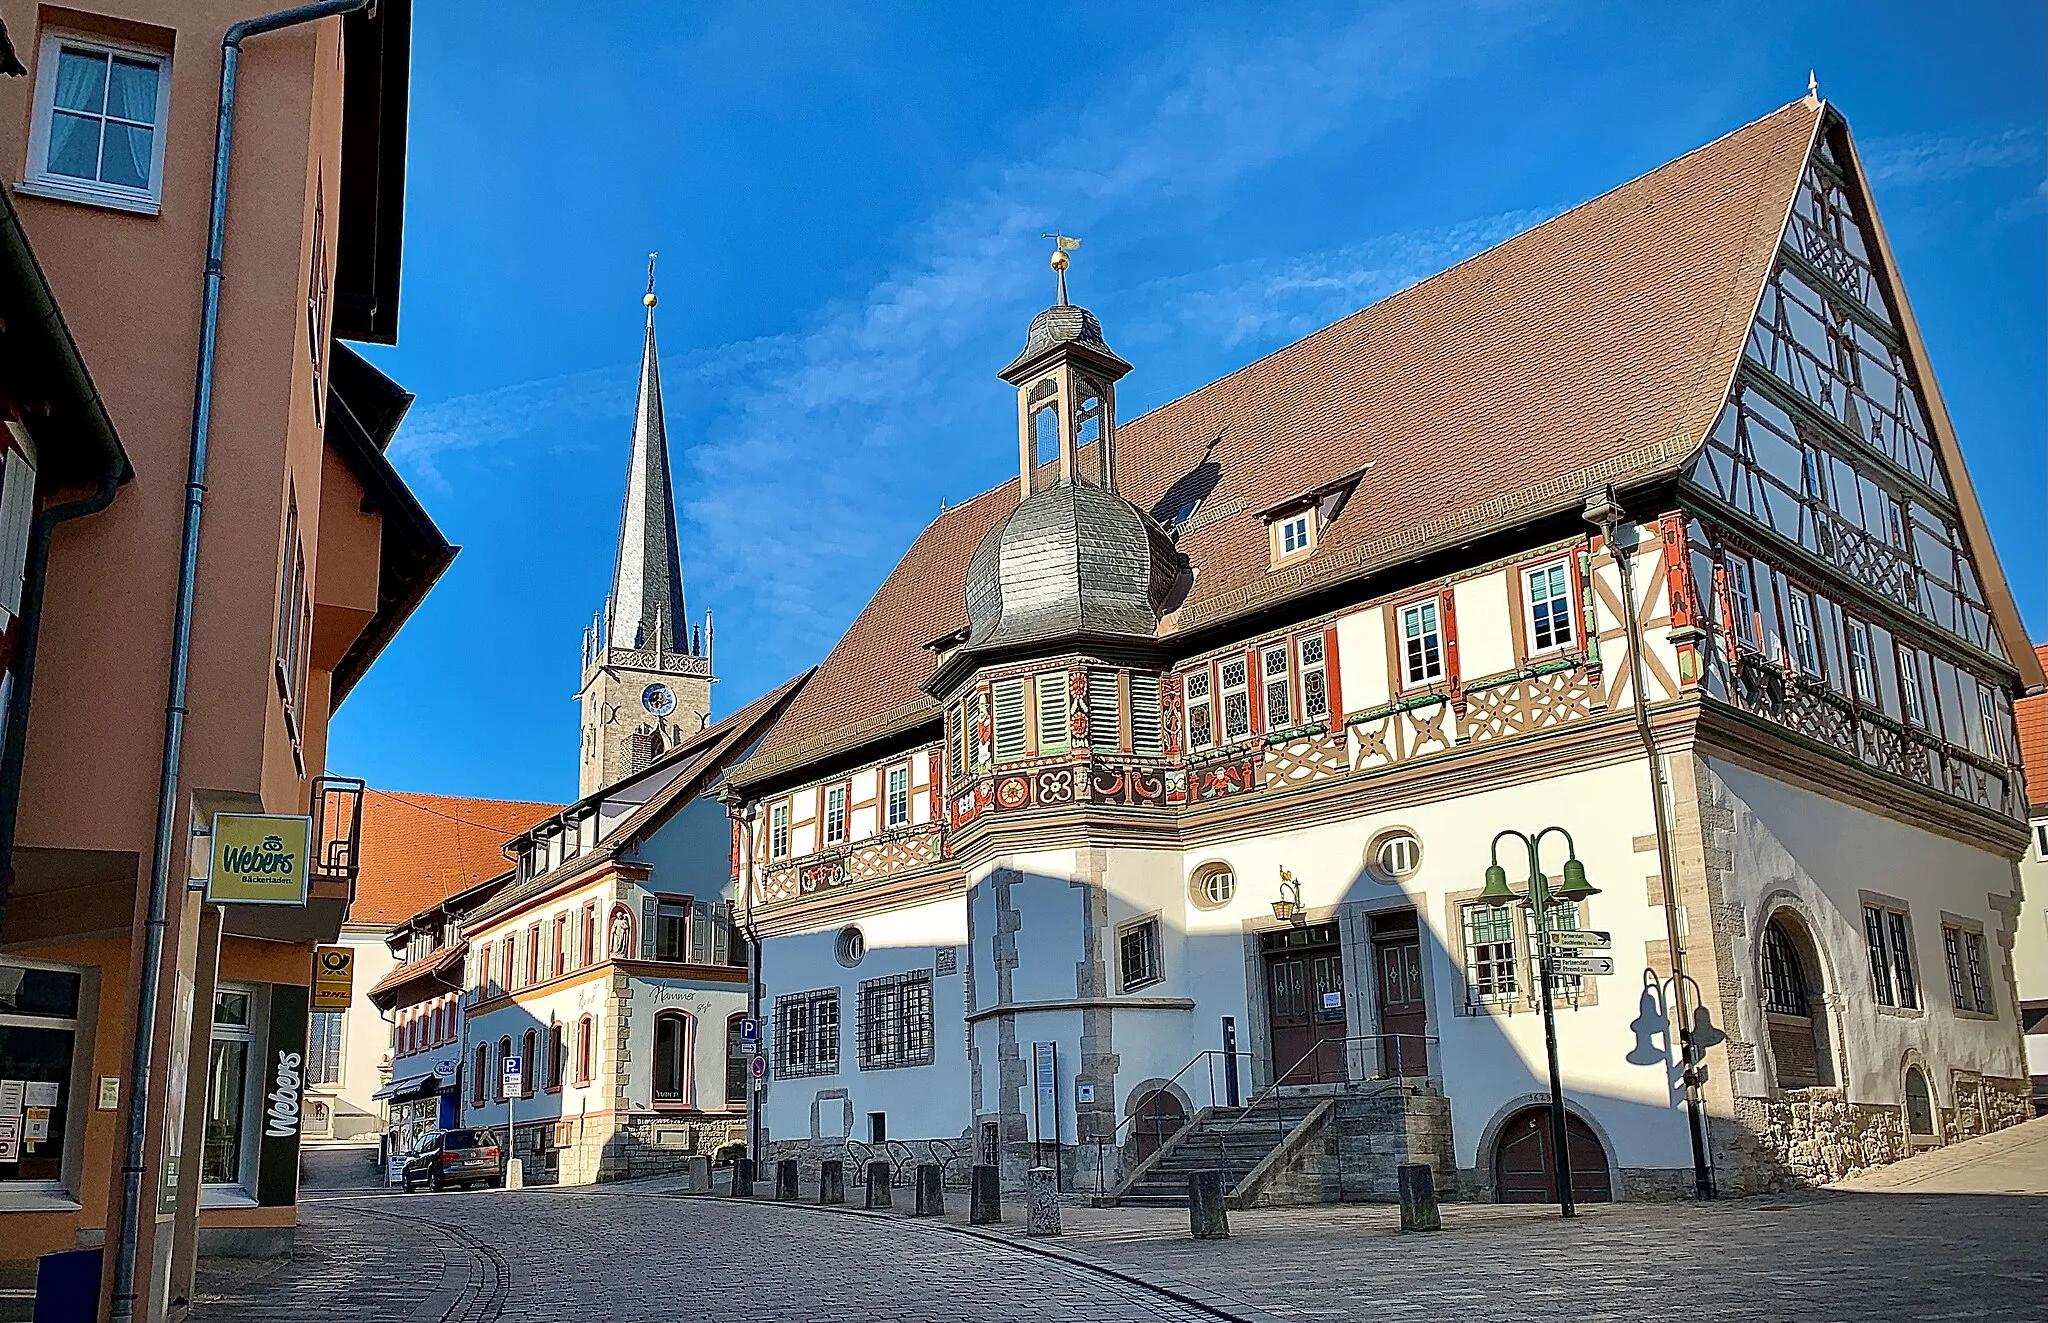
(1603,512)
(135,1154)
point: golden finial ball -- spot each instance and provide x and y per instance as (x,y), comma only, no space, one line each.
(648,298)
(1059,260)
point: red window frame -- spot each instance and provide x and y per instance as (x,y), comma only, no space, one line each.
(585,1041)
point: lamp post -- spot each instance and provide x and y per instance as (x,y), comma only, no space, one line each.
(1540,898)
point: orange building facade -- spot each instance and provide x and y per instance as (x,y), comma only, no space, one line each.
(311,554)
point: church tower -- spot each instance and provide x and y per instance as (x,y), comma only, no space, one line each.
(646,669)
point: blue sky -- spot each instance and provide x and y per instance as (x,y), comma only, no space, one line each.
(848,202)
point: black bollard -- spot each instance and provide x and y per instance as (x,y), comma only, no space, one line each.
(1418,1198)
(785,1179)
(832,1181)
(985,1196)
(878,1185)
(1208,1219)
(742,1178)
(931,1190)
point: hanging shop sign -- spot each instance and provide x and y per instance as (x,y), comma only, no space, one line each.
(334,969)
(259,859)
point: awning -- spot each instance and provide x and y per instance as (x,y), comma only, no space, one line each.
(412,1086)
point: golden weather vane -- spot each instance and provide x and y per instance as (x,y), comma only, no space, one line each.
(648,299)
(1062,244)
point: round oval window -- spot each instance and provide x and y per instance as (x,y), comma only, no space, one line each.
(1394,854)
(1212,886)
(851,947)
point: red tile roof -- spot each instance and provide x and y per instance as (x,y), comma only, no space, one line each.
(1595,348)
(418,850)
(439,962)
(2031,716)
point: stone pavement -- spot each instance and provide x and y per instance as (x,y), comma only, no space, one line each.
(1921,1250)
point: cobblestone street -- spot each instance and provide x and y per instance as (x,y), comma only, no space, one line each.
(630,1254)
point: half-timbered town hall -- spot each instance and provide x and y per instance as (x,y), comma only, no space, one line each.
(1146,813)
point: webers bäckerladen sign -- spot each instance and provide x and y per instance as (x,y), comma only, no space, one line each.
(259,859)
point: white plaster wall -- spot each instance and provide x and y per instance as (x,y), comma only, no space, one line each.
(708,1006)
(1362,658)
(1486,642)
(2030,941)
(539,1010)
(921,1102)
(1821,853)
(1487,1062)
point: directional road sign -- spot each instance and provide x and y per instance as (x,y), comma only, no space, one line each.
(1587,939)
(1562,964)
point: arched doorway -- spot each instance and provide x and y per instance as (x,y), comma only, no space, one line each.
(1157,1118)
(1793,1004)
(1920,1124)
(1524,1166)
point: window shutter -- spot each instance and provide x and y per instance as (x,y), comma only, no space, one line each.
(720,918)
(17,508)
(1105,731)
(1007,697)
(1053,730)
(703,918)
(647,928)
(1144,714)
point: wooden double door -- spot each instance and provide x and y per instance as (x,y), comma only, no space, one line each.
(1525,1166)
(1304,970)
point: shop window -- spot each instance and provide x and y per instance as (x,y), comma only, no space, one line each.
(38,1041)
(226,1159)
(671,1056)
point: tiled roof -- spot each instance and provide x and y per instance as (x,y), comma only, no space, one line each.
(418,850)
(440,961)
(2031,716)
(705,758)
(1595,348)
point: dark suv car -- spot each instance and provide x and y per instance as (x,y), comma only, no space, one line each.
(441,1158)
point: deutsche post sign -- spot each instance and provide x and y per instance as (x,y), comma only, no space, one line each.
(259,859)
(334,970)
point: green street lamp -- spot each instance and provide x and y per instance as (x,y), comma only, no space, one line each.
(1540,897)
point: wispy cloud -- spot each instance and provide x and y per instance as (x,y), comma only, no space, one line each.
(807,462)
(1266,301)
(830,443)
(1930,158)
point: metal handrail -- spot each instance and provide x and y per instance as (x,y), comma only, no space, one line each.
(1116,1138)
(1284,1077)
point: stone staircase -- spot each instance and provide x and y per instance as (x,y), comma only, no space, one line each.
(1232,1140)
(1305,1145)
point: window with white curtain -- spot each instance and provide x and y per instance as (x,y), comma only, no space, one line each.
(98,127)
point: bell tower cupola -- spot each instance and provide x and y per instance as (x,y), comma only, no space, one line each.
(1066,393)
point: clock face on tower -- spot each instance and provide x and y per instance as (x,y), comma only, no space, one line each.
(658,699)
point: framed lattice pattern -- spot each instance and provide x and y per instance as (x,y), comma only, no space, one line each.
(807,1033)
(894,1021)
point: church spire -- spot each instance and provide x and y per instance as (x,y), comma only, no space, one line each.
(646,610)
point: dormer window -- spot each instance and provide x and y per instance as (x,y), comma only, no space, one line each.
(1295,524)
(1297,533)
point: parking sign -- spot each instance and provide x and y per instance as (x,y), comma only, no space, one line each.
(514,1073)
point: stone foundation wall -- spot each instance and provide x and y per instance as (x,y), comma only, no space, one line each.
(1817,1136)
(904,1156)
(1352,1152)
(628,1148)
